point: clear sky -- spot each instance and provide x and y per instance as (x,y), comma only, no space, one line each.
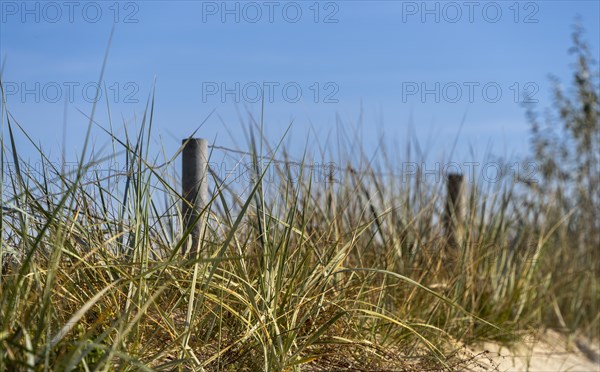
(430,64)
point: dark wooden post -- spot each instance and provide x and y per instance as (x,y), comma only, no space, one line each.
(194,180)
(455,209)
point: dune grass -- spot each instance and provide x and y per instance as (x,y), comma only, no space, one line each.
(291,274)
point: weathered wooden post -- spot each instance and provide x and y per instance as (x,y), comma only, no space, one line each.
(329,182)
(194,180)
(331,203)
(455,209)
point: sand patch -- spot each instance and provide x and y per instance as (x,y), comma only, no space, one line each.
(549,351)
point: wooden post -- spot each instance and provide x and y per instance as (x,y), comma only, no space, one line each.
(194,181)
(455,209)
(331,208)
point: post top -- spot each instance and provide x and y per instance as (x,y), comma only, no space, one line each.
(455,176)
(193,139)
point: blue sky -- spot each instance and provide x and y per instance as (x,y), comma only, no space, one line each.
(377,56)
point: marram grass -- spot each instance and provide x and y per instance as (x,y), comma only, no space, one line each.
(296,276)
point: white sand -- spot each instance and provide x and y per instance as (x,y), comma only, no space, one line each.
(549,351)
